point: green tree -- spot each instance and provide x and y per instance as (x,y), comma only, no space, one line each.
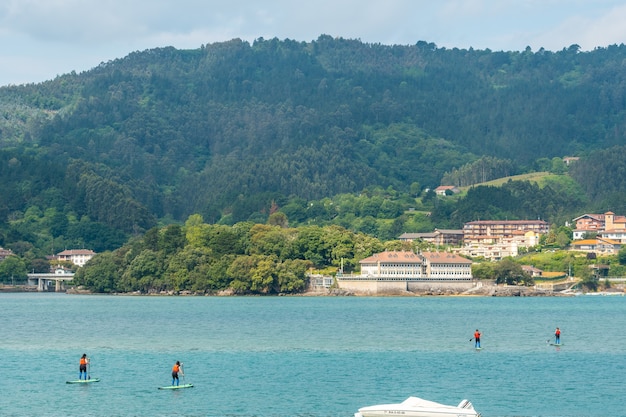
(621,256)
(263,275)
(101,274)
(484,270)
(12,269)
(291,276)
(144,273)
(240,273)
(558,166)
(172,239)
(415,189)
(39,265)
(511,273)
(588,280)
(278,219)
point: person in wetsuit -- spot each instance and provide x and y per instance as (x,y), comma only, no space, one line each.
(82,368)
(178,367)
(477,339)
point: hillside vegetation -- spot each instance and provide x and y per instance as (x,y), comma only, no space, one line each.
(333,131)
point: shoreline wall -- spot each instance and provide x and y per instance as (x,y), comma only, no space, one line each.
(374,287)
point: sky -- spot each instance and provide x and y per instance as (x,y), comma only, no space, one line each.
(41,39)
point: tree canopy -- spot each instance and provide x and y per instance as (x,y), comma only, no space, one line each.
(329,132)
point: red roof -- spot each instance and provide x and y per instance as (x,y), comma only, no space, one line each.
(445,258)
(71,252)
(410,257)
(393,256)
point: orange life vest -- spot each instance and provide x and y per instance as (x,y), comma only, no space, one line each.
(175,368)
(83,361)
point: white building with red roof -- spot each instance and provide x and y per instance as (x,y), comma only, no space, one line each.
(78,257)
(401,271)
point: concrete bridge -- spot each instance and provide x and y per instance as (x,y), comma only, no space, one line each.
(44,281)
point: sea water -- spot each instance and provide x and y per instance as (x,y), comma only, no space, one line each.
(310,356)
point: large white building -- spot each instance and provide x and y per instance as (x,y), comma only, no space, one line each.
(446,266)
(404,265)
(78,257)
(401,271)
(395,264)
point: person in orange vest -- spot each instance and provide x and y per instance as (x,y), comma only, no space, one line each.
(84,362)
(178,367)
(557,336)
(476,339)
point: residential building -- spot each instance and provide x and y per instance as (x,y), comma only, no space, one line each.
(503,227)
(410,237)
(4,253)
(440,237)
(78,257)
(497,239)
(617,235)
(607,224)
(450,237)
(598,246)
(446,189)
(494,250)
(532,271)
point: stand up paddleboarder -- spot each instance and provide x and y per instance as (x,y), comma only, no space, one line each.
(84,363)
(178,367)
(477,339)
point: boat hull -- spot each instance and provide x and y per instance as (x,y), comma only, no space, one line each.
(417,407)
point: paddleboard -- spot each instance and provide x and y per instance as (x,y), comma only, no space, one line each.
(479,348)
(557,344)
(177,386)
(83,381)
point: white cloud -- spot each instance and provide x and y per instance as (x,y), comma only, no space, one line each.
(588,29)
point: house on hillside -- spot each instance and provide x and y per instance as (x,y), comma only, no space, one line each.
(497,239)
(78,257)
(598,246)
(5,253)
(444,190)
(532,271)
(410,237)
(569,159)
(618,235)
(503,227)
(608,224)
(439,237)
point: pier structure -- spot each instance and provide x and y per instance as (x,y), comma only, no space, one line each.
(44,281)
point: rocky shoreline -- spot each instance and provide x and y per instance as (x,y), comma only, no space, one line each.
(485,290)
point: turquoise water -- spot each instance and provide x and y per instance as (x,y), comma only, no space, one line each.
(310,356)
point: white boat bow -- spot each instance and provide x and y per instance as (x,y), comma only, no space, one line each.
(417,407)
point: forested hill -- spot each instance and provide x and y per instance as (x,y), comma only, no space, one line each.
(229,128)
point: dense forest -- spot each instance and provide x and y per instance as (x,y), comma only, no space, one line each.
(329,132)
